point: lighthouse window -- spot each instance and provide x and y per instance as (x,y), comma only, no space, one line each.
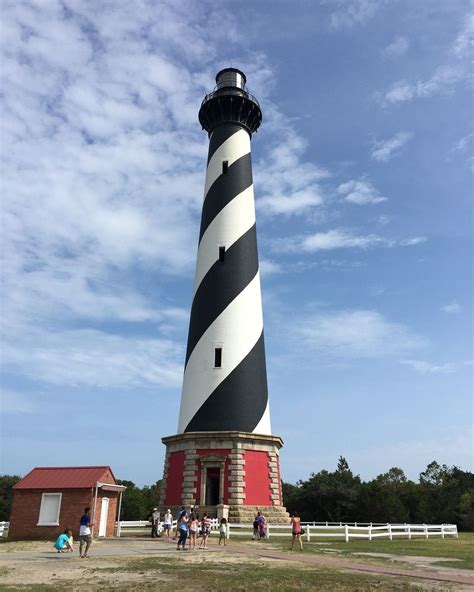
(222,254)
(225,167)
(218,357)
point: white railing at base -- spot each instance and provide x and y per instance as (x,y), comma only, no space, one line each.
(347,531)
(4,526)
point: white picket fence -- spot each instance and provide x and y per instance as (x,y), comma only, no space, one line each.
(346,531)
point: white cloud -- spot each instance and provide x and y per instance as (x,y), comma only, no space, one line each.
(287,184)
(360,192)
(452,307)
(384,150)
(397,48)
(268,267)
(441,82)
(338,239)
(424,367)
(87,357)
(349,13)
(355,334)
(463,147)
(462,46)
(410,242)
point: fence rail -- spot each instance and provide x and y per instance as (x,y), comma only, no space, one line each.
(346,531)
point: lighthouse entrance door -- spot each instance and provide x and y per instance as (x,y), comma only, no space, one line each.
(212,486)
(212,479)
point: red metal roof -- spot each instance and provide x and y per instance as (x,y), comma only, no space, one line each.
(64,477)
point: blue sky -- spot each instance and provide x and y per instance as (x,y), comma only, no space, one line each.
(363,183)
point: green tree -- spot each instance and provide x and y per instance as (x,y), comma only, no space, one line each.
(151,496)
(133,507)
(6,495)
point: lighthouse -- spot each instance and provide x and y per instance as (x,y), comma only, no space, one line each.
(224,457)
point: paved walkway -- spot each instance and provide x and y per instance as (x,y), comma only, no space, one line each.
(137,547)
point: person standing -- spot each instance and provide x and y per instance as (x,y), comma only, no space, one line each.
(296,530)
(155,523)
(85,535)
(223,531)
(261,525)
(255,528)
(206,530)
(193,530)
(183,530)
(168,523)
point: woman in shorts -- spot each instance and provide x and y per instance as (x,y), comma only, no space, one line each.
(168,523)
(296,530)
(206,530)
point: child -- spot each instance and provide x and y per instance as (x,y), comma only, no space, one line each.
(193,529)
(62,542)
(223,531)
(255,528)
(206,530)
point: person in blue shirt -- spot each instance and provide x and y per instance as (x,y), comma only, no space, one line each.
(62,543)
(85,535)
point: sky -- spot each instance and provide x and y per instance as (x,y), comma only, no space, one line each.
(363,184)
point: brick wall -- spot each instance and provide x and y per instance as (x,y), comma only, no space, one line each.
(26,507)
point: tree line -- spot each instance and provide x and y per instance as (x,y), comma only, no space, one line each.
(442,495)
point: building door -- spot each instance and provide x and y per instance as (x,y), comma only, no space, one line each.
(104,512)
(212,486)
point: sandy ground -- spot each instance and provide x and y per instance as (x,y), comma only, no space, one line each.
(31,563)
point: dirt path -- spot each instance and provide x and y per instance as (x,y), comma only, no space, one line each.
(453,575)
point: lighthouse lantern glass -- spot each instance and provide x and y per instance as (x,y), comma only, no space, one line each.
(231,78)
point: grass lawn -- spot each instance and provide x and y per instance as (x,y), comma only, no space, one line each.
(461,548)
(173,575)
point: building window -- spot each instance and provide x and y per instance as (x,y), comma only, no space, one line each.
(222,254)
(218,357)
(49,509)
(225,167)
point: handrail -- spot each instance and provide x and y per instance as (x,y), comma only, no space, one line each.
(240,92)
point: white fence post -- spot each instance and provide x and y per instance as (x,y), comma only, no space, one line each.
(268,531)
(308,533)
(390,531)
(346,532)
(370,531)
(442,531)
(228,530)
(426,531)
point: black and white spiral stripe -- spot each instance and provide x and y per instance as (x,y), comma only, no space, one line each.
(227,309)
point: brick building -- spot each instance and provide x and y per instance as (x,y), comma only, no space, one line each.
(49,499)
